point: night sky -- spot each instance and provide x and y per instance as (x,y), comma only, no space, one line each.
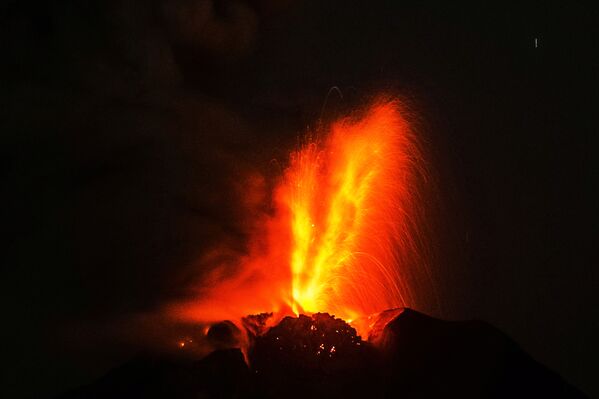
(137,136)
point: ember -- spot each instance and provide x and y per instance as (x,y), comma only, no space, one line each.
(317,342)
(305,351)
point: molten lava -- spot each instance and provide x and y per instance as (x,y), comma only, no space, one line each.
(350,200)
(346,235)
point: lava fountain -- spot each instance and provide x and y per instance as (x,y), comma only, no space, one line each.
(346,237)
(350,201)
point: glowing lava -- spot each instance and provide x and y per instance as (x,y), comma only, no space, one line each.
(351,200)
(346,235)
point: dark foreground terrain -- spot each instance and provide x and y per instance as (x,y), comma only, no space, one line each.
(407,355)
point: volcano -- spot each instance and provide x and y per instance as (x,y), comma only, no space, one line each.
(327,287)
(408,355)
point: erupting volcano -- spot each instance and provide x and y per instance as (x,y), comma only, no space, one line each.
(345,235)
(319,308)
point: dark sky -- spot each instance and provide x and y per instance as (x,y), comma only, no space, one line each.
(139,135)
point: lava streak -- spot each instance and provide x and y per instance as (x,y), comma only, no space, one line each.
(352,200)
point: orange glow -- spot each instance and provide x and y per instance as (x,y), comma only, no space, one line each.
(350,198)
(346,235)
